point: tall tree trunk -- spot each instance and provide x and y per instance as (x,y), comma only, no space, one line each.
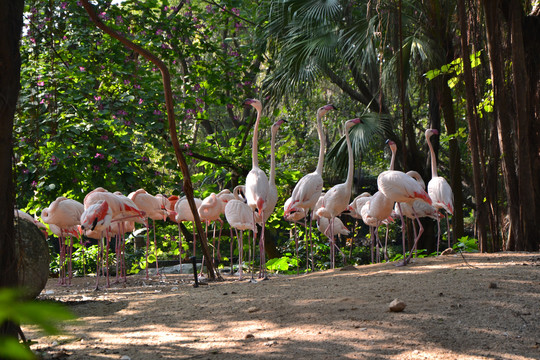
(474,137)
(11,15)
(503,118)
(527,206)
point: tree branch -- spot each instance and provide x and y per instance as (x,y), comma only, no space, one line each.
(188,187)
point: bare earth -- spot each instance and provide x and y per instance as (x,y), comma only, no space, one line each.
(487,307)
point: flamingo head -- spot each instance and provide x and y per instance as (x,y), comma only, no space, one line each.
(430,132)
(324,109)
(392,145)
(352,122)
(253,102)
(96,215)
(277,124)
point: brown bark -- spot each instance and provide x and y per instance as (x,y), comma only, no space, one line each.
(503,118)
(474,138)
(188,187)
(527,207)
(11,15)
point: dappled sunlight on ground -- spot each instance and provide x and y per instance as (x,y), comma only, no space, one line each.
(483,308)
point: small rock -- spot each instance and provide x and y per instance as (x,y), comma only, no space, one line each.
(253,309)
(492,285)
(249,336)
(125,357)
(397,305)
(270,343)
(448,251)
(174,288)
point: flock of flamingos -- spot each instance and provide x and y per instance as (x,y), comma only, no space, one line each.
(104,214)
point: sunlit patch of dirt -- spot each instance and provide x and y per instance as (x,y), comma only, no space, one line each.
(480,306)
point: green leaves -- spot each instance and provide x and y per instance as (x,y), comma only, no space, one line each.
(46,315)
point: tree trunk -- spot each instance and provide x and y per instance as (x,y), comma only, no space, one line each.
(522,87)
(11,15)
(474,138)
(503,119)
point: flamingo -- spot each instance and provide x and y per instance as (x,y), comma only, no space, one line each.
(257,186)
(154,208)
(337,199)
(294,217)
(439,190)
(380,209)
(97,218)
(308,189)
(66,214)
(183,213)
(210,210)
(323,224)
(239,215)
(401,188)
(420,207)
(122,208)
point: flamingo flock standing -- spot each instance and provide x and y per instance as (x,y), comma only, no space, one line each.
(248,208)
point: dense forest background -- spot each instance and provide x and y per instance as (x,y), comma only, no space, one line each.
(91,112)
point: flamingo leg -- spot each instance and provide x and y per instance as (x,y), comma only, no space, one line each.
(219,240)
(307,243)
(404,262)
(240,255)
(107,255)
(448,230)
(180,247)
(252,254)
(372,233)
(155,246)
(99,261)
(311,240)
(194,240)
(147,246)
(70,254)
(332,243)
(386,243)
(420,231)
(61,246)
(438,234)
(296,250)
(231,248)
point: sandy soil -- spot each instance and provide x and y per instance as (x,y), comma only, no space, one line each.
(487,307)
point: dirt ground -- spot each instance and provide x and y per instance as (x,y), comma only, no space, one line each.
(484,307)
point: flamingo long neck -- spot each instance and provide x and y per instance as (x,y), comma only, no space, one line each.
(433,159)
(322,140)
(393,160)
(272,177)
(254,154)
(349,181)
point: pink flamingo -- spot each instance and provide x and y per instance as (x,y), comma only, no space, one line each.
(239,215)
(337,199)
(257,187)
(401,188)
(308,189)
(294,217)
(183,213)
(155,209)
(210,210)
(122,208)
(64,213)
(420,207)
(439,190)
